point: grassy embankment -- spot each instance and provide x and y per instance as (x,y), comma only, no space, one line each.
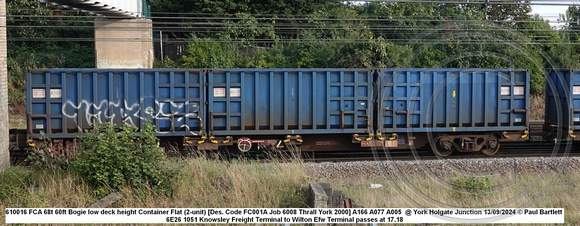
(542,190)
(210,183)
(201,183)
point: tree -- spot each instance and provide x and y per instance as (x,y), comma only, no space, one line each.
(568,56)
(243,19)
(35,31)
(322,34)
(509,10)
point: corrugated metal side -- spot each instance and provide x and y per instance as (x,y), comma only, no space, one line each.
(557,83)
(111,8)
(131,6)
(289,101)
(448,100)
(574,90)
(64,102)
(563,98)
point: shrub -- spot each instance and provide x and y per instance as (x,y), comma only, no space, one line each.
(472,184)
(111,159)
(53,154)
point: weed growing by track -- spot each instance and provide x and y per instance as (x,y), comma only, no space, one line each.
(471,184)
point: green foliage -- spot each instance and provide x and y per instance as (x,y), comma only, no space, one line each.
(472,184)
(501,12)
(51,155)
(254,13)
(13,184)
(568,56)
(166,63)
(203,53)
(339,35)
(33,42)
(111,159)
(293,198)
(262,58)
(17,81)
(246,27)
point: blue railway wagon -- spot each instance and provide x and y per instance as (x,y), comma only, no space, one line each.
(562,108)
(291,102)
(456,109)
(62,103)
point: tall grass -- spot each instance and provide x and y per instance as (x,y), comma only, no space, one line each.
(546,190)
(537,104)
(37,188)
(205,182)
(201,182)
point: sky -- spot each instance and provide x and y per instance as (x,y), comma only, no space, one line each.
(552,12)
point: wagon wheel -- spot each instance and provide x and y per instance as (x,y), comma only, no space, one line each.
(491,147)
(442,148)
(244,144)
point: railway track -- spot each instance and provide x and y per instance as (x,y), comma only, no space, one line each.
(507,150)
(535,149)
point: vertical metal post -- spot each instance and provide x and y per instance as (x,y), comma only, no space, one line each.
(4,153)
(486,8)
(161,47)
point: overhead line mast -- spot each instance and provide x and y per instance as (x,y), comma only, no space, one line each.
(4,123)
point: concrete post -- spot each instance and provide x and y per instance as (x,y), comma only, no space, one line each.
(4,123)
(318,198)
(124,43)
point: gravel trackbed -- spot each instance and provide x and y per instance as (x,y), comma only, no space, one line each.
(442,167)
